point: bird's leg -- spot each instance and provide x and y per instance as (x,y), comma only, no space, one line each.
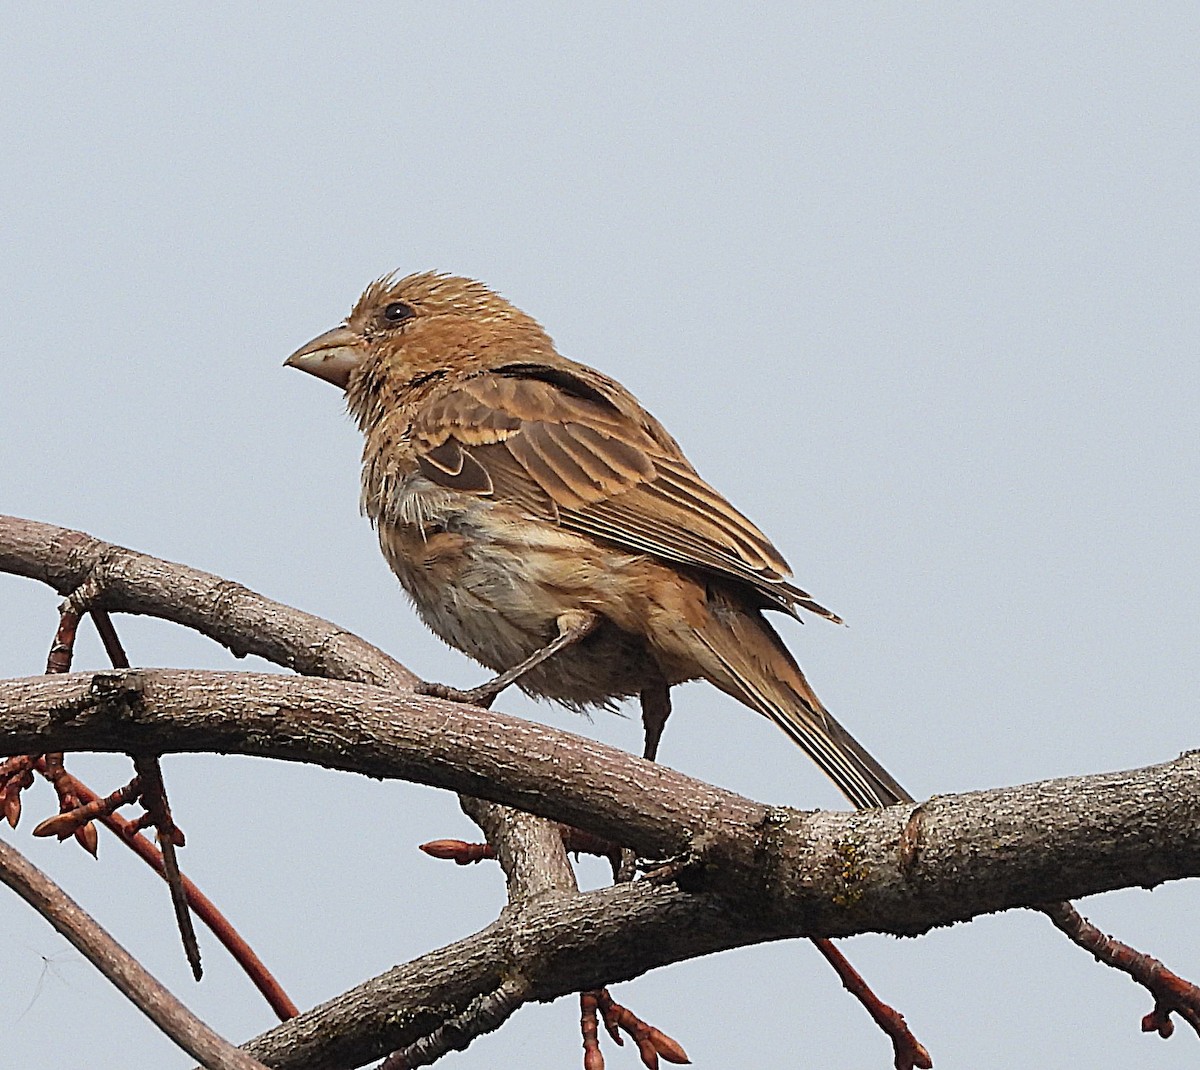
(656,708)
(572,627)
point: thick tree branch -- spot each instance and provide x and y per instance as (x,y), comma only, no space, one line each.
(746,872)
(105,576)
(357,728)
(556,946)
(552,948)
(819,874)
(100,574)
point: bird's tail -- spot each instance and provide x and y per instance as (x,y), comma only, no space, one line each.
(750,662)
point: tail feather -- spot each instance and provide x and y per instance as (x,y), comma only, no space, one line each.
(757,669)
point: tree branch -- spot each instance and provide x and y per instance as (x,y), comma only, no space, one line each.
(746,872)
(819,874)
(530,850)
(105,576)
(96,573)
(121,968)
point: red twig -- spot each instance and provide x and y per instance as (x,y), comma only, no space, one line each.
(205,909)
(651,1042)
(1172,994)
(79,805)
(910,1052)
(64,825)
(574,840)
(62,652)
(16,774)
(579,842)
(68,803)
(589,1026)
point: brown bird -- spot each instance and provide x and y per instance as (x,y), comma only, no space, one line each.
(547,525)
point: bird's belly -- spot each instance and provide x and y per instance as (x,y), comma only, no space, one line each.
(493,585)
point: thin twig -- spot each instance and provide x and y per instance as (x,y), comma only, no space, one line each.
(247,622)
(910,1053)
(16,774)
(158,809)
(64,825)
(575,841)
(1172,994)
(149,771)
(148,786)
(651,1042)
(206,910)
(121,968)
(62,653)
(589,1026)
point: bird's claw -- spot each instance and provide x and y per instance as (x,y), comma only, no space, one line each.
(482,696)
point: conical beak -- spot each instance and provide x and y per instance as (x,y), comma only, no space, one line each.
(331,356)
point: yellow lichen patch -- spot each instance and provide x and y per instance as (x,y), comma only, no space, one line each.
(851,872)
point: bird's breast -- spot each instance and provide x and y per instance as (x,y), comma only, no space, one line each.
(493,584)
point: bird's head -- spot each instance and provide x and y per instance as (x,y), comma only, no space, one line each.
(406,329)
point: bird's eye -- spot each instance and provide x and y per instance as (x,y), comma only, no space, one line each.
(396,312)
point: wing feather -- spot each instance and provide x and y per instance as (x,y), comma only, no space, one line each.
(603,468)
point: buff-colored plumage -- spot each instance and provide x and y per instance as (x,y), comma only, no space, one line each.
(515,491)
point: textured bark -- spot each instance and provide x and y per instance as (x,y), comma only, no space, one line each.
(529,849)
(744,872)
(121,968)
(552,948)
(121,580)
(899,870)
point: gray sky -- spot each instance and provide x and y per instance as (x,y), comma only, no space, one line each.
(914,285)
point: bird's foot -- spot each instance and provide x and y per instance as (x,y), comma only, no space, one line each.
(572,627)
(482,696)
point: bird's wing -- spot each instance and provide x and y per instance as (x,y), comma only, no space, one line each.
(557,447)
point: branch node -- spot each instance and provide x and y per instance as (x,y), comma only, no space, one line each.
(483,1014)
(911,836)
